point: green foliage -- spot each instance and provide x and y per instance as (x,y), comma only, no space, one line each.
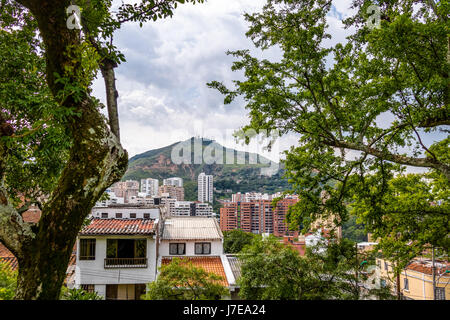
(337,98)
(181,280)
(272,270)
(78,294)
(235,240)
(8,280)
(354,231)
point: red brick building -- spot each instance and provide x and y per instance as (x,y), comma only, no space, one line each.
(257,216)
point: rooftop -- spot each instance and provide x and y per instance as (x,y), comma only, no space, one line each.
(119,227)
(191,228)
(211,264)
(425,266)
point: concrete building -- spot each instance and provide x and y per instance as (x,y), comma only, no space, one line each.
(150,187)
(126,189)
(173,192)
(117,257)
(113,199)
(257,216)
(205,188)
(175,181)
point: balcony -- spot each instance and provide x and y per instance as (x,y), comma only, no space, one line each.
(111,263)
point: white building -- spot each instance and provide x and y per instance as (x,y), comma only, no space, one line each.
(113,199)
(117,257)
(127,211)
(198,240)
(175,181)
(205,188)
(190,208)
(150,186)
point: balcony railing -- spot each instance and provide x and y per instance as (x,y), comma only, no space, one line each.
(125,263)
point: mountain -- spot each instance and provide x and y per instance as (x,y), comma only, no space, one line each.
(240,171)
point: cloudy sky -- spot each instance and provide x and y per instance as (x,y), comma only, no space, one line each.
(163,97)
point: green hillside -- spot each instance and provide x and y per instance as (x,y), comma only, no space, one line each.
(240,176)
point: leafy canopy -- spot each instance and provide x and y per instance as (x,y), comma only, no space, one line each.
(361,109)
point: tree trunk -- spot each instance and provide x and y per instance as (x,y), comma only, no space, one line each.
(96,160)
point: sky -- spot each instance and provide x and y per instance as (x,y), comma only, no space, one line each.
(163,96)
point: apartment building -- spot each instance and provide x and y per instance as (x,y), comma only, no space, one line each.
(257,216)
(150,187)
(126,189)
(175,181)
(205,188)
(174,192)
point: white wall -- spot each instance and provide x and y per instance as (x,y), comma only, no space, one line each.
(216,247)
(97,212)
(93,271)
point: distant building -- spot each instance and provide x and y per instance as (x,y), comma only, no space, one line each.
(126,189)
(205,188)
(175,181)
(257,216)
(173,191)
(113,199)
(150,187)
(190,208)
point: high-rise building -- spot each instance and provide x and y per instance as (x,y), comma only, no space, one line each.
(126,189)
(257,216)
(205,188)
(175,181)
(173,191)
(150,186)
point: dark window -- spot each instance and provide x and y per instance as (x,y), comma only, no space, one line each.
(88,287)
(203,248)
(177,248)
(405,284)
(133,215)
(104,215)
(87,249)
(118,215)
(440,293)
(146,215)
(126,248)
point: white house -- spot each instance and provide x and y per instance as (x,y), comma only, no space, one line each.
(117,257)
(197,239)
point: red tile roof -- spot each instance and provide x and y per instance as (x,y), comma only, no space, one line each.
(100,226)
(209,264)
(427,268)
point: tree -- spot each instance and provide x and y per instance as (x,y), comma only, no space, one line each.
(235,240)
(361,109)
(8,279)
(57,150)
(181,280)
(273,271)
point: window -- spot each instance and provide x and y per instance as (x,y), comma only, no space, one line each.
(440,293)
(146,215)
(104,215)
(132,215)
(406,284)
(88,287)
(126,248)
(386,266)
(177,248)
(203,248)
(118,215)
(87,249)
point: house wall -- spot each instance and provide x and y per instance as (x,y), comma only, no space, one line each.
(93,271)
(216,247)
(97,212)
